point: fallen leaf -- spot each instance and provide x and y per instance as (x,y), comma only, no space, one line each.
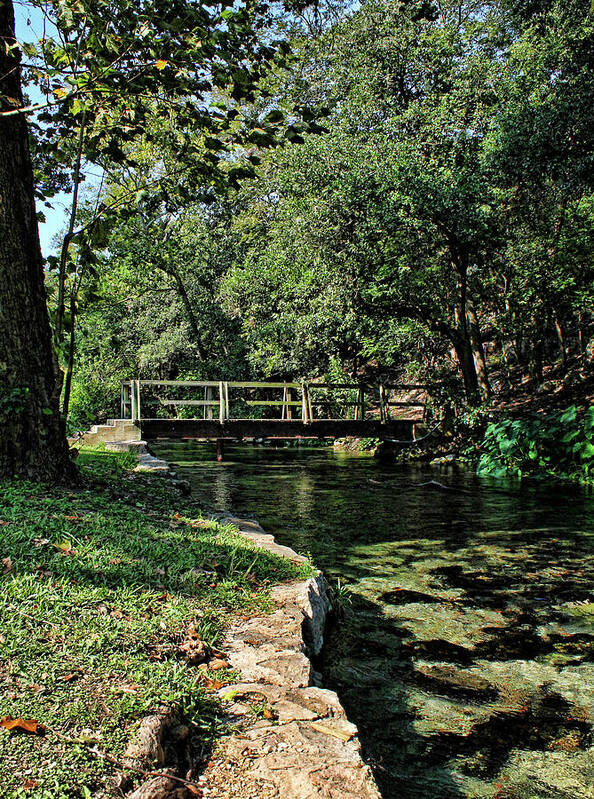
(218,664)
(40,542)
(65,547)
(29,784)
(7,565)
(3,523)
(214,685)
(130,689)
(26,725)
(320,727)
(193,789)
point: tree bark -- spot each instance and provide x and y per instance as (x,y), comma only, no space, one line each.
(183,294)
(462,343)
(561,339)
(464,357)
(32,433)
(478,352)
(70,364)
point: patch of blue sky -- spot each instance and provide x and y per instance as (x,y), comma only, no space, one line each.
(32,24)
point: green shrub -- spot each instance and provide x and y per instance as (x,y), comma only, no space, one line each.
(559,444)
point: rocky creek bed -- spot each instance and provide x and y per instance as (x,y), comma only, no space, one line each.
(465,653)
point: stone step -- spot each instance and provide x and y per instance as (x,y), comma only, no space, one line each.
(139,447)
(115,430)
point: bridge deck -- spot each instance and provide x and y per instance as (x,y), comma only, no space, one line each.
(237,429)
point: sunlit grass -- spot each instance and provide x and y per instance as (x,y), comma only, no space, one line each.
(100,585)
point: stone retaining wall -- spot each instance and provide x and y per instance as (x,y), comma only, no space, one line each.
(304,746)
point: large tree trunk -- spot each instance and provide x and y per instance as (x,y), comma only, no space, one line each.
(462,343)
(478,352)
(464,357)
(32,436)
(181,290)
(561,339)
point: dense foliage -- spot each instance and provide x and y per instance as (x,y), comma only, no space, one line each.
(428,215)
(440,224)
(558,444)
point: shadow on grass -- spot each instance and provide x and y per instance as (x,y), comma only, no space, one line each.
(131,533)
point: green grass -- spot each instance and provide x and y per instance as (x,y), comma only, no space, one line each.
(100,586)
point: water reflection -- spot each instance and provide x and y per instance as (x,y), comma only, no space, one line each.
(466,656)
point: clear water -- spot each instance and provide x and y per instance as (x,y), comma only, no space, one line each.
(465,650)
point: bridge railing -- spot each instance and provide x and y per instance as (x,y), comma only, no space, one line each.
(232,399)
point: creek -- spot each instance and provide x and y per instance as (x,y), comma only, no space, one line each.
(464,648)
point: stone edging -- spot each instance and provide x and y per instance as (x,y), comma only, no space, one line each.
(304,746)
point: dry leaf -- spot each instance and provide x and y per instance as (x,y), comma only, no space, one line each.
(214,685)
(26,725)
(216,664)
(6,565)
(29,784)
(3,523)
(320,727)
(194,789)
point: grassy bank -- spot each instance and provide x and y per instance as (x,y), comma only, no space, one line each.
(100,587)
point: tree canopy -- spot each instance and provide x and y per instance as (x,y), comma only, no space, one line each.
(384,191)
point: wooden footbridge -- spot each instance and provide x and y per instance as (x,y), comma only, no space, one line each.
(234,410)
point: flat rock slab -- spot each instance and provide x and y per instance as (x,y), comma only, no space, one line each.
(295,740)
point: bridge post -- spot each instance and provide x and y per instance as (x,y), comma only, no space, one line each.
(309,408)
(133,405)
(221,403)
(137,385)
(220,449)
(304,404)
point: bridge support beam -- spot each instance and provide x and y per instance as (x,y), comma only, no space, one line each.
(220,450)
